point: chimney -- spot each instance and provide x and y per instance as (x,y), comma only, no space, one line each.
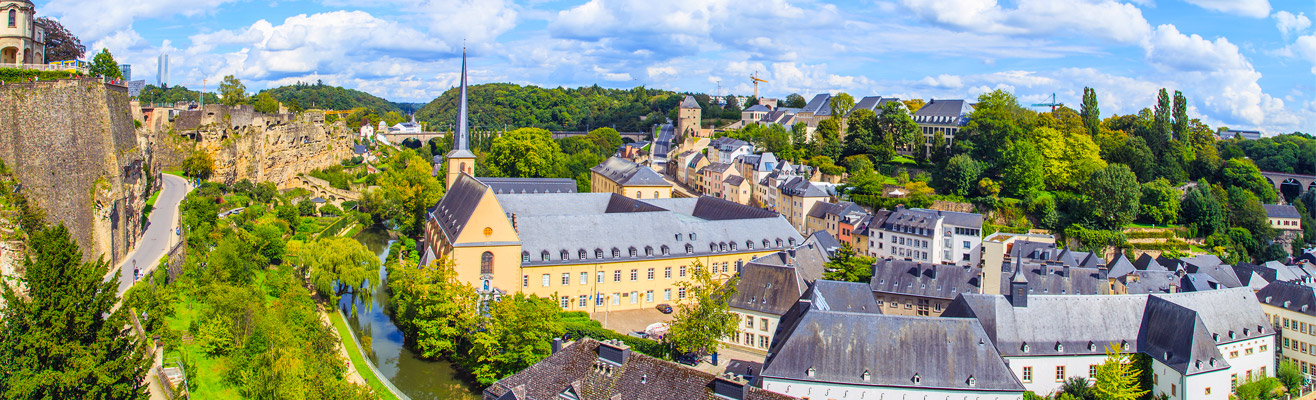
(557,345)
(730,386)
(614,352)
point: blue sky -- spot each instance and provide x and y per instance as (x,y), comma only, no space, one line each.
(1247,64)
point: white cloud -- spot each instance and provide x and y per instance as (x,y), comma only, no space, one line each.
(1246,8)
(611,76)
(94,21)
(1169,48)
(1106,19)
(1289,24)
(943,81)
(658,72)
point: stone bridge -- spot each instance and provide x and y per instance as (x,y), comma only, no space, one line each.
(397,138)
(1304,182)
(321,187)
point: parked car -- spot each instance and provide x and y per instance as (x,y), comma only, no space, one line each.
(688,359)
(665,308)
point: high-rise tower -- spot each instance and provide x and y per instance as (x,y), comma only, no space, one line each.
(162,71)
(460,160)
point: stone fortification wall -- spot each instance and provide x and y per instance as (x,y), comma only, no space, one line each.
(72,145)
(261,147)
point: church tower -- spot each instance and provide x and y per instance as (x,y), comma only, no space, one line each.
(460,160)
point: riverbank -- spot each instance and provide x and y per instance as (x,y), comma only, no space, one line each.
(355,358)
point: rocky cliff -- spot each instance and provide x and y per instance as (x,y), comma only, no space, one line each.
(71,144)
(249,145)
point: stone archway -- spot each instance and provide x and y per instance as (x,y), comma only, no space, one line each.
(1290,189)
(27,57)
(9,55)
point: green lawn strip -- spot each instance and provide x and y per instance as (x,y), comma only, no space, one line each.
(359,363)
(151,201)
(175,173)
(203,379)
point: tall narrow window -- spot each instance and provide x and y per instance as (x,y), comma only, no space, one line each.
(13,18)
(486,263)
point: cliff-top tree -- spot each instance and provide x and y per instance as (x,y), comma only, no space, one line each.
(61,340)
(232,92)
(705,316)
(104,65)
(61,45)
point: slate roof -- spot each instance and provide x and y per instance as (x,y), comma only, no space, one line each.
(595,222)
(360,149)
(944,112)
(1281,211)
(457,205)
(822,209)
(530,185)
(758,108)
(867,103)
(770,289)
(627,173)
(911,278)
(718,167)
(825,241)
(1177,329)
(689,102)
(1289,296)
(799,186)
(1049,270)
(847,347)
(819,105)
(727,144)
(734,180)
(580,369)
(1120,266)
(1151,282)
(807,259)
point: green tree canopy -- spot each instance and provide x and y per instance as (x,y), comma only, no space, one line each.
(705,317)
(433,307)
(232,92)
(840,104)
(1160,202)
(1117,377)
(266,103)
(62,340)
(795,100)
(526,153)
(514,336)
(1022,169)
(1115,195)
(961,175)
(1091,112)
(338,266)
(848,267)
(104,65)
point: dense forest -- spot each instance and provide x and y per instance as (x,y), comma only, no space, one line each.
(514,106)
(152,94)
(324,97)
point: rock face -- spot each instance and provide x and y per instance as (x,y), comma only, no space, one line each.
(72,145)
(249,145)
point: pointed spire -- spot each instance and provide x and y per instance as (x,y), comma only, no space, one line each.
(1019,271)
(463,134)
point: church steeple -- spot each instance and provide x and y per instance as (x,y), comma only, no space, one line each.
(460,160)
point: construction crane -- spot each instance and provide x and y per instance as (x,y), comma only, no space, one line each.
(1053,104)
(755,78)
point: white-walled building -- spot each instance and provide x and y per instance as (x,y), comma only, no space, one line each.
(1202,344)
(930,236)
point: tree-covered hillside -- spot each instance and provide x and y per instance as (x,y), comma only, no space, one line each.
(152,94)
(516,106)
(325,97)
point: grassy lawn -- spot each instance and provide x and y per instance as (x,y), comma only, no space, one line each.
(174,173)
(203,377)
(354,352)
(151,201)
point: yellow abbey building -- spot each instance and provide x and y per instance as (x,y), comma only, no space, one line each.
(592,252)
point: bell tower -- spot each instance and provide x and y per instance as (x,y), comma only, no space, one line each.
(460,160)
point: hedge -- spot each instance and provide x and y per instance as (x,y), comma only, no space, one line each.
(11,75)
(577,328)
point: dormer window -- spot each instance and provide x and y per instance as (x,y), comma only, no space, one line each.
(692,236)
(916,379)
(1231,334)
(525,256)
(1092,346)
(722,246)
(666,250)
(866,376)
(1211,362)
(648,251)
(678,237)
(749,244)
(765,243)
(598,253)
(583,254)
(972,381)
(689,248)
(810,371)
(733,246)
(1060,348)
(1024,347)
(633,252)
(543,255)
(778,242)
(616,253)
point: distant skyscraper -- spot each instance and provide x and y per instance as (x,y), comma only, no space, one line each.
(162,71)
(127,71)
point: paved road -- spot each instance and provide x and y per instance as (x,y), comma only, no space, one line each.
(159,234)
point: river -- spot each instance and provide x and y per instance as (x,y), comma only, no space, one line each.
(420,379)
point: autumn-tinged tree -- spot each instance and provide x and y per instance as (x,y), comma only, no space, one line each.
(1117,378)
(1068,157)
(914,104)
(841,103)
(61,45)
(704,317)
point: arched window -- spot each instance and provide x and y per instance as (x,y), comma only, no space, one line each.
(13,18)
(583,254)
(598,253)
(639,194)
(566,255)
(648,250)
(616,253)
(462,167)
(543,256)
(689,248)
(525,256)
(486,263)
(655,194)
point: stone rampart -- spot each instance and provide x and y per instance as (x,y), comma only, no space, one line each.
(72,145)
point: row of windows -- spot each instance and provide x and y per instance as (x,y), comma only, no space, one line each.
(911,242)
(922,304)
(763,323)
(648,250)
(616,275)
(750,338)
(632,298)
(1060,373)
(968,231)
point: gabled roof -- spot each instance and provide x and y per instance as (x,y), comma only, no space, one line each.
(944,112)
(911,278)
(734,180)
(1289,296)
(580,368)
(727,144)
(819,105)
(530,185)
(457,205)
(769,289)
(627,173)
(822,209)
(864,349)
(1281,211)
(758,108)
(799,186)
(689,102)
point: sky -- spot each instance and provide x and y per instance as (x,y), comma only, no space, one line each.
(1245,64)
